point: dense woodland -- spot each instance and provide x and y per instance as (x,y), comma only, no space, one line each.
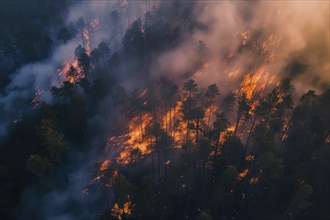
(198,152)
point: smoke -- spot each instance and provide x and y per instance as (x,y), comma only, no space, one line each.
(69,201)
(300,28)
(294,31)
(18,94)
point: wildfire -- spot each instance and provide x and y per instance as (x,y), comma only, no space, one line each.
(254,82)
(249,157)
(243,174)
(104,165)
(36,100)
(71,71)
(254,180)
(122,212)
(202,70)
(88,41)
(95,23)
(132,140)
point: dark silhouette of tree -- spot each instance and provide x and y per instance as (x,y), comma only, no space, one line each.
(53,141)
(79,51)
(120,101)
(115,61)
(190,86)
(219,125)
(80,24)
(244,107)
(84,62)
(228,102)
(38,165)
(133,41)
(211,93)
(64,34)
(104,49)
(95,56)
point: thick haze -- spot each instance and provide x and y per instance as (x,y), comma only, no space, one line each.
(301,27)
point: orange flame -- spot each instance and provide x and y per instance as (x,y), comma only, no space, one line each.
(95,23)
(88,41)
(71,77)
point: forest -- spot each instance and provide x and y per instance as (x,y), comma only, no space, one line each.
(174,109)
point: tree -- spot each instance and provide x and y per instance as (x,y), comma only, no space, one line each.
(38,165)
(103,48)
(53,141)
(232,151)
(185,19)
(160,141)
(224,193)
(120,99)
(95,56)
(197,114)
(187,109)
(79,51)
(133,41)
(300,202)
(244,107)
(64,34)
(80,24)
(106,173)
(228,102)
(190,86)
(123,189)
(219,125)
(115,61)
(210,94)
(85,63)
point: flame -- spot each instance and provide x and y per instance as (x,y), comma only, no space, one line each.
(36,100)
(203,69)
(88,41)
(254,180)
(131,140)
(243,174)
(104,165)
(95,23)
(71,77)
(253,82)
(327,140)
(249,157)
(171,121)
(120,213)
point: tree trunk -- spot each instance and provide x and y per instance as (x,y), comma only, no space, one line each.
(62,167)
(237,122)
(249,136)
(187,135)
(197,130)
(216,150)
(158,161)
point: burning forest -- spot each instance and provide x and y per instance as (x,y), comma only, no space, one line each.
(164,110)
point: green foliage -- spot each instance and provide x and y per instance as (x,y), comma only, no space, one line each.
(232,150)
(51,138)
(38,165)
(271,166)
(124,189)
